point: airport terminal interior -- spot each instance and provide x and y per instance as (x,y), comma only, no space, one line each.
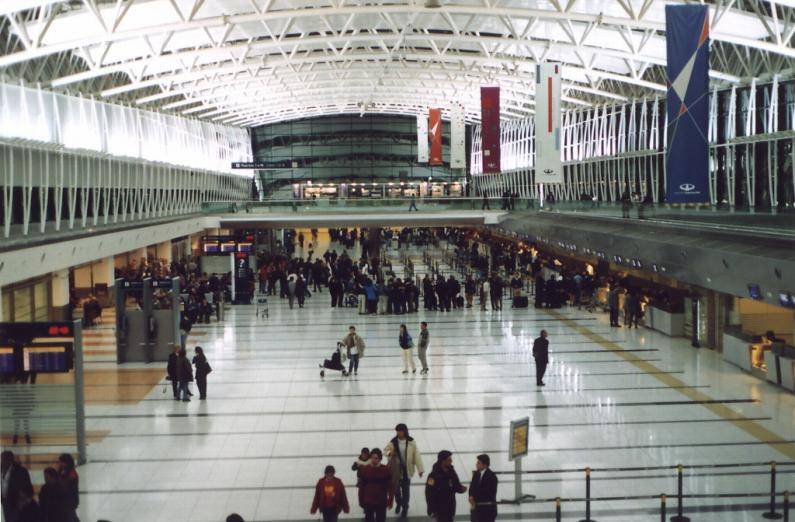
(293,260)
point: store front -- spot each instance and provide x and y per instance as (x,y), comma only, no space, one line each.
(27,301)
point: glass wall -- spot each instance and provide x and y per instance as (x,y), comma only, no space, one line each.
(27,301)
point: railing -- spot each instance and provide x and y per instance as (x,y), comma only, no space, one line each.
(777,503)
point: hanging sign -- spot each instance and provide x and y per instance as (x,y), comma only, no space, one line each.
(549,165)
(457,137)
(422,138)
(490,131)
(435,131)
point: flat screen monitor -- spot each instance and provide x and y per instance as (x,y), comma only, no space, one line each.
(7,360)
(55,358)
(228,247)
(211,248)
(754,292)
(245,247)
(786,299)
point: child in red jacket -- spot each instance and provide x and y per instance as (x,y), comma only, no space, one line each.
(330,497)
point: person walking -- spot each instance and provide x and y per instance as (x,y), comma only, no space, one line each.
(541,355)
(483,491)
(375,488)
(612,303)
(355,347)
(52,498)
(292,288)
(330,497)
(300,290)
(469,290)
(16,482)
(70,483)
(184,374)
(441,487)
(404,459)
(422,347)
(202,370)
(413,205)
(407,349)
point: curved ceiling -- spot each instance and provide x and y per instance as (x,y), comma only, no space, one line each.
(251,62)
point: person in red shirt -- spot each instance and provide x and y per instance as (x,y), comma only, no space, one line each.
(376,489)
(330,497)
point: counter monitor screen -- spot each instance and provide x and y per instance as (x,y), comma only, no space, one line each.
(211,248)
(47,359)
(7,360)
(228,247)
(754,292)
(245,247)
(786,299)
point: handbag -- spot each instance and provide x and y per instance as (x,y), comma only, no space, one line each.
(207,367)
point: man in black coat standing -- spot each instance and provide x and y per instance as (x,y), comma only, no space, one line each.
(541,355)
(16,485)
(483,491)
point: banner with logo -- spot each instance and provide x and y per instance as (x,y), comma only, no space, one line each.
(490,128)
(457,137)
(435,126)
(422,138)
(687,155)
(549,165)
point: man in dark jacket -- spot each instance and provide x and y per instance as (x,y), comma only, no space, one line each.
(441,487)
(483,491)
(171,370)
(16,485)
(541,355)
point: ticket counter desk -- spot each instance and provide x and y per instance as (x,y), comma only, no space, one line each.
(772,362)
(667,321)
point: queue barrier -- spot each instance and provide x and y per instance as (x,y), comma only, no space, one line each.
(772,514)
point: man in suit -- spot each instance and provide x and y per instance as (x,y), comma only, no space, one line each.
(16,485)
(541,355)
(483,491)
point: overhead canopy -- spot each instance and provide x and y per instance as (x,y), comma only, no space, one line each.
(250,62)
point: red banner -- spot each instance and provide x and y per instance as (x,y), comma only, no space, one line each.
(490,123)
(435,132)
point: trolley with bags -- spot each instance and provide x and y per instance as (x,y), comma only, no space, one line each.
(262,305)
(336,361)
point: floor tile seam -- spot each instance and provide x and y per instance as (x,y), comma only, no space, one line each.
(476,451)
(422,394)
(536,406)
(750,427)
(403,379)
(415,428)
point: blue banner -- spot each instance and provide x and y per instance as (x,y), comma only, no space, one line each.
(687,155)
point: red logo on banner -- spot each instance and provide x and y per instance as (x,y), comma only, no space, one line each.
(490,122)
(435,131)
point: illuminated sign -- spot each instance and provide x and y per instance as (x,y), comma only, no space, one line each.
(7,360)
(519,433)
(47,358)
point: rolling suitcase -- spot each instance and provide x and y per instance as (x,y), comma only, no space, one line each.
(520,301)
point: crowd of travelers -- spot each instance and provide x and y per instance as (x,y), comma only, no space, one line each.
(58,497)
(383,480)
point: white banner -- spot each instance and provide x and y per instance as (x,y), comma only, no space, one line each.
(457,137)
(549,166)
(423,151)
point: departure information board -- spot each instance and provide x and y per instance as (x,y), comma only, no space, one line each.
(47,359)
(7,360)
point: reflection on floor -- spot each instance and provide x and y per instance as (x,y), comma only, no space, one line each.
(614,399)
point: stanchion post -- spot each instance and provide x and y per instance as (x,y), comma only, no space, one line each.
(557,510)
(786,506)
(679,517)
(772,514)
(587,496)
(662,507)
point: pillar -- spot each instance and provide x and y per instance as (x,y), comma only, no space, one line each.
(60,295)
(103,272)
(164,251)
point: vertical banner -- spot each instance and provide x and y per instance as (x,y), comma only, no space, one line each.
(435,126)
(422,138)
(490,125)
(457,137)
(549,165)
(687,155)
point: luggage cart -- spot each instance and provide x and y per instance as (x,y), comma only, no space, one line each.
(262,305)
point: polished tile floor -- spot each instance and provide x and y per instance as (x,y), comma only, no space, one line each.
(624,402)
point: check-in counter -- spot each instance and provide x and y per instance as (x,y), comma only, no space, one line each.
(669,323)
(737,348)
(776,363)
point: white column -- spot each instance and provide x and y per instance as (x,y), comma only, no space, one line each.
(60,294)
(164,251)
